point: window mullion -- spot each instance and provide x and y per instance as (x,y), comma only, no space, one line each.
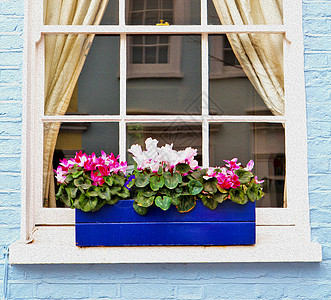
(123,69)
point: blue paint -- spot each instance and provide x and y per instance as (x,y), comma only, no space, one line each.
(120,225)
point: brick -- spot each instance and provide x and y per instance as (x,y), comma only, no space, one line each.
(10,217)
(316,9)
(10,24)
(318,146)
(9,58)
(319,199)
(8,234)
(10,181)
(320,43)
(317,78)
(189,292)
(318,93)
(10,92)
(12,7)
(11,129)
(21,291)
(105,291)
(62,290)
(11,76)
(11,110)
(10,146)
(322,235)
(10,164)
(10,199)
(306,290)
(320,129)
(147,291)
(316,26)
(316,60)
(11,42)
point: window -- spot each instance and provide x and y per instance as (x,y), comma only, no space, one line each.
(209,112)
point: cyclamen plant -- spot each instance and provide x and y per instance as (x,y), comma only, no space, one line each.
(88,182)
(231,181)
(164,176)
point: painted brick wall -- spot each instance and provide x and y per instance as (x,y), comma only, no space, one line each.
(172,281)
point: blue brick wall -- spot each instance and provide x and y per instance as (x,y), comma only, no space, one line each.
(172,281)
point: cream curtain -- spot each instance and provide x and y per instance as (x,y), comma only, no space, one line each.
(64,59)
(260,55)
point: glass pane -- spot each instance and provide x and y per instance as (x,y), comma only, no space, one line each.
(97,89)
(258,17)
(262,142)
(74,137)
(171,86)
(181,135)
(108,17)
(248,83)
(150,12)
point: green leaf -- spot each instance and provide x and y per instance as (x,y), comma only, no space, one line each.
(114,190)
(123,193)
(71,191)
(186,203)
(220,197)
(175,200)
(142,180)
(99,205)
(80,182)
(104,192)
(209,202)
(66,199)
(59,192)
(69,178)
(118,179)
(144,201)
(252,195)
(87,203)
(222,190)
(92,192)
(195,187)
(210,185)
(109,180)
(156,182)
(244,176)
(183,168)
(77,174)
(140,210)
(163,202)
(238,196)
(171,181)
(114,199)
(198,173)
(147,192)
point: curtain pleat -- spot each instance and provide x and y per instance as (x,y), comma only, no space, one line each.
(64,59)
(260,55)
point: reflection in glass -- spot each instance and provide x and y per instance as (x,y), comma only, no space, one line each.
(262,142)
(97,87)
(150,12)
(181,135)
(80,136)
(259,15)
(244,78)
(164,74)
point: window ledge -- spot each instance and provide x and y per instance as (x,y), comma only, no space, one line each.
(56,245)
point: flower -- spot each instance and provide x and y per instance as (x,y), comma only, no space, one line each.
(258,181)
(249,166)
(60,174)
(232,164)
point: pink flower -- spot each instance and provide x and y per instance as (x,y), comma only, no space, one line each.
(232,164)
(258,181)
(249,166)
(60,174)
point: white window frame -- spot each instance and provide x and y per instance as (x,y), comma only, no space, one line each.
(47,234)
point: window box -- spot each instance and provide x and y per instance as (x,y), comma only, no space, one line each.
(120,225)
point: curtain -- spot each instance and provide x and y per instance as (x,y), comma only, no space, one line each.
(64,59)
(260,55)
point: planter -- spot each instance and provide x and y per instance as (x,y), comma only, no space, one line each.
(120,225)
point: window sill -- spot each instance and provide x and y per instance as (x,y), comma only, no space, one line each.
(56,245)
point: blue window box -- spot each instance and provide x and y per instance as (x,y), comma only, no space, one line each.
(120,225)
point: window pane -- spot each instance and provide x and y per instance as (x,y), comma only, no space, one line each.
(169,82)
(275,16)
(181,135)
(74,137)
(231,91)
(97,89)
(175,12)
(262,142)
